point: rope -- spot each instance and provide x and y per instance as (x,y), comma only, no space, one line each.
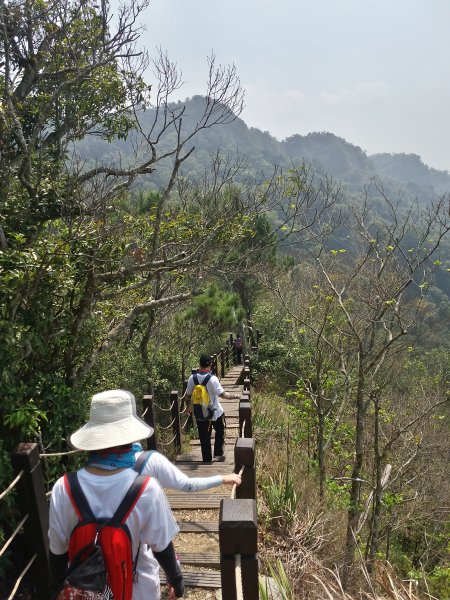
(144,413)
(168,443)
(238,576)
(164,409)
(184,410)
(169,425)
(59,453)
(21,576)
(233,489)
(11,485)
(185,423)
(243,428)
(16,531)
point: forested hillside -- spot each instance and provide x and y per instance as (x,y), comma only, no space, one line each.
(136,233)
(326,152)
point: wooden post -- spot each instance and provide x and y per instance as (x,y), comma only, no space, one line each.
(238,534)
(32,501)
(245,396)
(149,418)
(245,415)
(222,363)
(214,366)
(176,425)
(244,455)
(233,349)
(254,349)
(258,336)
(246,384)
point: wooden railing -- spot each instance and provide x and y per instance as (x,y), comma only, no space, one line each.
(238,523)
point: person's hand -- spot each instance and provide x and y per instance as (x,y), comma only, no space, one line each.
(232,478)
(171,594)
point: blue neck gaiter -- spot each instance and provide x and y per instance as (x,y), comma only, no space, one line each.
(114,458)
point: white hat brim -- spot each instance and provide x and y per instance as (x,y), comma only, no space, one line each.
(98,436)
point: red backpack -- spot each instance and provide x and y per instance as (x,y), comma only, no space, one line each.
(100,550)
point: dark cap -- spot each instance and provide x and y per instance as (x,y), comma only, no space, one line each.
(205,360)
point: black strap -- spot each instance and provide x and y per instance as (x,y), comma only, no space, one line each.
(133,492)
(141,461)
(83,505)
(79,498)
(205,380)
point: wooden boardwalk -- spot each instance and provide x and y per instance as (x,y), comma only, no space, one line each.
(201,569)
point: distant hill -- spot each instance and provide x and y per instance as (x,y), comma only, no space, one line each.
(403,175)
(327,153)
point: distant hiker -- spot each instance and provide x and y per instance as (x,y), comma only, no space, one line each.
(238,349)
(207,410)
(102,485)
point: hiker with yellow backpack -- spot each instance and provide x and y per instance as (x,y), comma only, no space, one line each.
(205,391)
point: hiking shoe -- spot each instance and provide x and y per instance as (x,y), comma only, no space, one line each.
(219,458)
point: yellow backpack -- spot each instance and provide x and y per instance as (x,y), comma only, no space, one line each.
(203,408)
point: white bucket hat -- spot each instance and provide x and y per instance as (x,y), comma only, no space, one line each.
(113,421)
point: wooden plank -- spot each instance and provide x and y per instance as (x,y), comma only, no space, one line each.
(199,526)
(195,501)
(199,579)
(211,560)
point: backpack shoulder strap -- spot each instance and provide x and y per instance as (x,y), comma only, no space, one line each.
(131,497)
(195,379)
(77,497)
(206,379)
(142,461)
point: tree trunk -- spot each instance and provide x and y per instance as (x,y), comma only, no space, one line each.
(355,490)
(375,527)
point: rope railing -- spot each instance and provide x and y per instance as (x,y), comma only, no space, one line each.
(243,428)
(183,427)
(234,488)
(13,535)
(168,443)
(51,454)
(21,576)
(11,486)
(238,577)
(164,409)
(168,426)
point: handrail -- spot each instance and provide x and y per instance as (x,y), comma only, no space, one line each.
(234,488)
(163,409)
(13,535)
(11,486)
(238,577)
(50,454)
(21,576)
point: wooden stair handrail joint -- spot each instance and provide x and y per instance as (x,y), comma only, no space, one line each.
(32,500)
(238,534)
(149,418)
(245,419)
(245,456)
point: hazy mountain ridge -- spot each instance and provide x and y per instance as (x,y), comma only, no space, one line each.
(326,152)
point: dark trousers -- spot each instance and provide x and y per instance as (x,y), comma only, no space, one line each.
(204,433)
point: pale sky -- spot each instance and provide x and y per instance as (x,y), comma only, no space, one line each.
(375,72)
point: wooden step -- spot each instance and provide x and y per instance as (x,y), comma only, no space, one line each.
(195,501)
(210,560)
(199,526)
(198,579)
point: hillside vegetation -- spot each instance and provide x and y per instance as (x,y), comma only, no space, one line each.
(136,232)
